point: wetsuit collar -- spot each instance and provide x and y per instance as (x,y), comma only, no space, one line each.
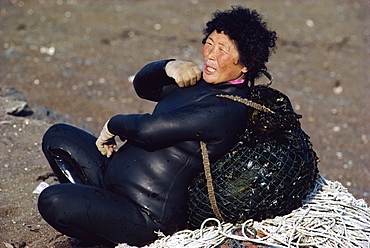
(237,81)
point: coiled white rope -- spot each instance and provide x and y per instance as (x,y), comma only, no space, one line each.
(330,217)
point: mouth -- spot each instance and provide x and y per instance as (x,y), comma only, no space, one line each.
(209,70)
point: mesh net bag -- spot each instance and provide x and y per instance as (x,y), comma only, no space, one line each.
(266,174)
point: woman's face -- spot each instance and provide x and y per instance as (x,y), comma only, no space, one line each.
(221,59)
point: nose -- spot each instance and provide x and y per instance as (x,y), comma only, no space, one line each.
(211,54)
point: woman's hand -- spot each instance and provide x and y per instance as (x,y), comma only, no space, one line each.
(105,142)
(185,73)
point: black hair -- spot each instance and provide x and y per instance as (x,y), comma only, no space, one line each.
(254,41)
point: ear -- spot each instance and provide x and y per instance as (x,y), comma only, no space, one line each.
(244,70)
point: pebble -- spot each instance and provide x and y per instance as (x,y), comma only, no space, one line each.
(339,155)
(336,129)
(47,50)
(310,23)
(364,139)
(68,14)
(338,90)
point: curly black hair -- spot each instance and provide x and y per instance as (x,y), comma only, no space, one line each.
(254,41)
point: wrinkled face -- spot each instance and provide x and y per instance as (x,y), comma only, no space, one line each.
(221,59)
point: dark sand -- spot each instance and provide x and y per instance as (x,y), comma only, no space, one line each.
(77,59)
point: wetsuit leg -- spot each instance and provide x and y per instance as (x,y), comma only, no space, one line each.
(73,156)
(96,215)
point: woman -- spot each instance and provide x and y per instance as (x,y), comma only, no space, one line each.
(129,195)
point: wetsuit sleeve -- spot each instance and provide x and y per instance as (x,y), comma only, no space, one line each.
(182,124)
(152,82)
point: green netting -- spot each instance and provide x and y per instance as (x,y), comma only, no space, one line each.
(261,177)
(262,182)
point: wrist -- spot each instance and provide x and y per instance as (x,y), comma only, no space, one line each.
(106,131)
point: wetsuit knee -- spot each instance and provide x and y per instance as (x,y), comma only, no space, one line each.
(73,156)
(62,212)
(94,215)
(49,204)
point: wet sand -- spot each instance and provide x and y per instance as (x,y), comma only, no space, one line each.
(78,57)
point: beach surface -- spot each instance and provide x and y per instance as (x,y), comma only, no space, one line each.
(73,61)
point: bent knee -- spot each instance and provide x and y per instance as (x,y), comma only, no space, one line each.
(55,204)
(50,198)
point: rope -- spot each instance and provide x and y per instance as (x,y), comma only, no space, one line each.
(207,164)
(207,172)
(248,103)
(330,217)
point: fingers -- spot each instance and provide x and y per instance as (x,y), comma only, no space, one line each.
(106,142)
(189,77)
(195,74)
(192,78)
(106,147)
(198,72)
(102,150)
(106,150)
(185,73)
(180,81)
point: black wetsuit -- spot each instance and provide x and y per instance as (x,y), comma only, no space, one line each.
(142,188)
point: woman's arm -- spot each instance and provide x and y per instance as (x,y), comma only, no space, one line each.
(152,82)
(158,79)
(212,121)
(201,122)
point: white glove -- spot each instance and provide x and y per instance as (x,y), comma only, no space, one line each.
(105,142)
(185,73)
